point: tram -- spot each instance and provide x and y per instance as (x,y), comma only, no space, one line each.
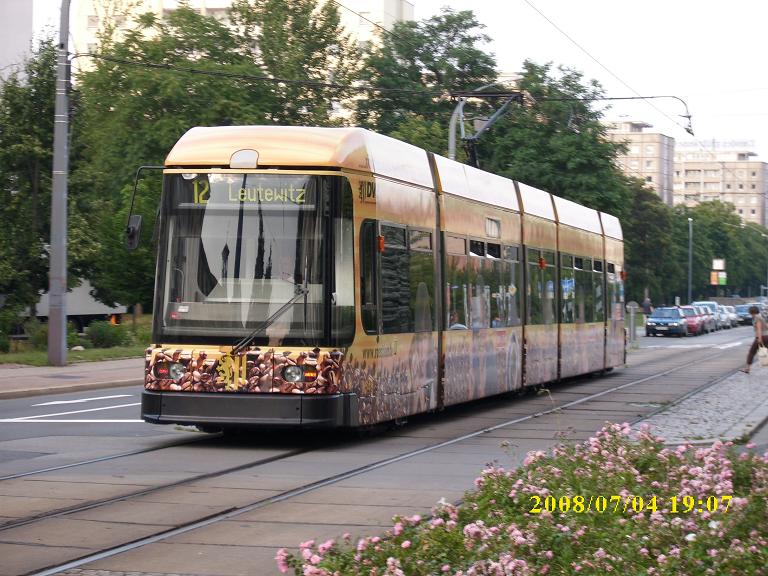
(338,278)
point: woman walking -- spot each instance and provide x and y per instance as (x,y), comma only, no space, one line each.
(760,338)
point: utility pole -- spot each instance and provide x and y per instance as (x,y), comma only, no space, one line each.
(57,276)
(690,258)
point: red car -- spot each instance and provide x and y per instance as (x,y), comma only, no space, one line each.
(694,319)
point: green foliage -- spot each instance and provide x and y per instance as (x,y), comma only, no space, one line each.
(426,60)
(558,143)
(105,335)
(26,146)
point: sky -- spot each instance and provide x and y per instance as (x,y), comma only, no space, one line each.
(708,53)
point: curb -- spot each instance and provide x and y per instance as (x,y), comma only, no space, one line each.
(10,394)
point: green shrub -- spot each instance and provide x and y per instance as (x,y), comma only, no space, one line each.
(37,332)
(105,335)
(5,342)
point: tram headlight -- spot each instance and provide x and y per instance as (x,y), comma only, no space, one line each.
(293,373)
(169,370)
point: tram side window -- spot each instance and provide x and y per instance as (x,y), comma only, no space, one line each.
(567,289)
(479,287)
(599,295)
(585,308)
(456,262)
(510,284)
(540,290)
(368,301)
(395,285)
(422,280)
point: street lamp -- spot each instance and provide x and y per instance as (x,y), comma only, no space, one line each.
(690,257)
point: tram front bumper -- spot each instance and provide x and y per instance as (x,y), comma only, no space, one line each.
(250,410)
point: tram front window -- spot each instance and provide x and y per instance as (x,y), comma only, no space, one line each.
(235,248)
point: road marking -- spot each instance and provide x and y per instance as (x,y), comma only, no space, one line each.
(731,345)
(54,421)
(25,418)
(83,400)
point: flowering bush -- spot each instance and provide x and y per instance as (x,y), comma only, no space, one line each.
(494,532)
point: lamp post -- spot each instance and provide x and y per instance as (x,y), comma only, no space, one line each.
(690,257)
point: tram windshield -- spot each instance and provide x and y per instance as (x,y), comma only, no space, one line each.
(236,248)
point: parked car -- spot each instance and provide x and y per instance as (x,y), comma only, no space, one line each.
(709,319)
(725,319)
(694,319)
(734,318)
(742,311)
(663,321)
(712,305)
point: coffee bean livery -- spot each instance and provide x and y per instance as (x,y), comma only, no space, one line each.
(334,277)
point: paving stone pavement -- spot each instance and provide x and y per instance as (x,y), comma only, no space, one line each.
(731,409)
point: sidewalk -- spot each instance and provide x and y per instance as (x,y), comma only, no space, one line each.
(17,381)
(734,408)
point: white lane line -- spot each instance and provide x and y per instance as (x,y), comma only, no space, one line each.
(730,345)
(24,418)
(83,400)
(54,421)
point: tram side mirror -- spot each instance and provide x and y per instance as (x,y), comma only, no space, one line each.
(132,232)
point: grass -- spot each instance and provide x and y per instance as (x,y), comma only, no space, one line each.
(40,357)
(138,337)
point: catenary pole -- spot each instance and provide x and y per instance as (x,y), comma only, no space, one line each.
(57,276)
(690,257)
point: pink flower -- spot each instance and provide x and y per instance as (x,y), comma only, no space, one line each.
(398,529)
(446,568)
(406,544)
(282,560)
(325,546)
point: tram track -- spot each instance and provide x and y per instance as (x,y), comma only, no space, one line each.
(650,371)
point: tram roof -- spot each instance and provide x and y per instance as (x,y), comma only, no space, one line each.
(611,226)
(573,214)
(301,146)
(468,182)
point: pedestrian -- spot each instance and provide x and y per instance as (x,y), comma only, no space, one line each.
(647,308)
(758,323)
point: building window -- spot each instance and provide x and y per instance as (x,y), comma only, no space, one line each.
(754,174)
(93,22)
(752,211)
(649,178)
(741,186)
(741,211)
(753,186)
(650,149)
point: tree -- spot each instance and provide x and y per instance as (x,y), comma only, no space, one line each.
(649,246)
(169,75)
(302,42)
(557,142)
(26,157)
(416,66)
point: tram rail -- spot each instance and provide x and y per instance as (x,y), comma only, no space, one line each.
(661,365)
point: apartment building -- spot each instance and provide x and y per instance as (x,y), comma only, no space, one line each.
(15,35)
(724,171)
(363,19)
(649,155)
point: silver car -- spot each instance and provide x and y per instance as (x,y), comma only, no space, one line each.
(732,315)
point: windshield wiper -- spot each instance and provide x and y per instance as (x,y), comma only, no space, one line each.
(301,291)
